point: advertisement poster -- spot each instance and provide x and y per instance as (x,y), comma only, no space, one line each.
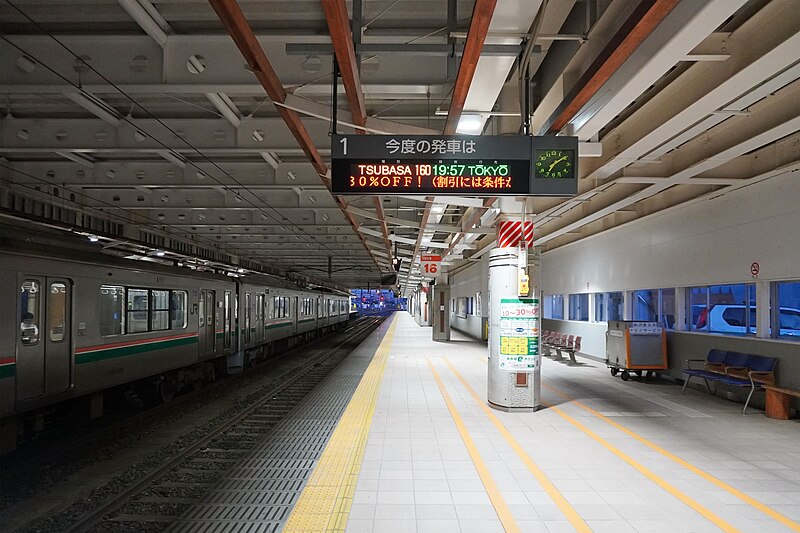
(519,334)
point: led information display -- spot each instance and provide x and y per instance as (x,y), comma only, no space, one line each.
(425,164)
(420,176)
(482,165)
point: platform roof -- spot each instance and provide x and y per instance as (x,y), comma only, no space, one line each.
(201,129)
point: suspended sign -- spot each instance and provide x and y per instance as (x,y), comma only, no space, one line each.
(429,265)
(464,165)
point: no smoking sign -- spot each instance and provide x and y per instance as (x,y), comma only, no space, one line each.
(755,268)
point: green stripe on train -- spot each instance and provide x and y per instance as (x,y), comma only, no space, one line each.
(101,355)
(7,371)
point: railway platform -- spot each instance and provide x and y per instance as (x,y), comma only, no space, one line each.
(417,449)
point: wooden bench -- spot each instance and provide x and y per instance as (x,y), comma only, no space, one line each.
(778,401)
(734,369)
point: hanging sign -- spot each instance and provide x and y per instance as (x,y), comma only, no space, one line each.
(519,334)
(429,265)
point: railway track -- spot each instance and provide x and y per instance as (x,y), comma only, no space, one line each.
(151,497)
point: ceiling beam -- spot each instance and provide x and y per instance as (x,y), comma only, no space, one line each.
(242,34)
(342,39)
(645,18)
(478,28)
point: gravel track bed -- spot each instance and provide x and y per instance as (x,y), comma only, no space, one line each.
(195,474)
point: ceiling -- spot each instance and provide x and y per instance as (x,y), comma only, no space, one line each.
(198,132)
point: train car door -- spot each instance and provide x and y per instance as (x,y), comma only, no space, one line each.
(296,315)
(44,353)
(206,323)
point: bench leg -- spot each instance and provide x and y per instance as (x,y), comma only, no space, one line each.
(686,382)
(708,386)
(747,401)
(558,355)
(777,405)
(572,357)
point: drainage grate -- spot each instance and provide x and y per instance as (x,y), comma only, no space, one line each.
(258,494)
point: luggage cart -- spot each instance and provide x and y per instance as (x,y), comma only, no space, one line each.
(634,346)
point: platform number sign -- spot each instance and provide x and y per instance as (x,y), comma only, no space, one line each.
(429,265)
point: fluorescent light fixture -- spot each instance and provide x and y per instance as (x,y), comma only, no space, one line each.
(437,208)
(93,238)
(469,124)
(270,159)
(160,253)
(172,157)
(80,159)
(94,105)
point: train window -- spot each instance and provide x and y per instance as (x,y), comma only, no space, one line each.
(177,309)
(138,306)
(247,316)
(159,310)
(29,307)
(112,310)
(57,312)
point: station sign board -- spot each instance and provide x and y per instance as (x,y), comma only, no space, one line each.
(462,165)
(428,164)
(429,265)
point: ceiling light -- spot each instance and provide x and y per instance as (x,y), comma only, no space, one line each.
(93,238)
(469,124)
(160,253)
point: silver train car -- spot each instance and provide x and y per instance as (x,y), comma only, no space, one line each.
(76,325)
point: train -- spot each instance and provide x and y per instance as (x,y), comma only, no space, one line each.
(78,323)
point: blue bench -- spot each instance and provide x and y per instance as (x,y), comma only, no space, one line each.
(735,369)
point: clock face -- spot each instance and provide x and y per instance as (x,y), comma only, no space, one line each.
(555,163)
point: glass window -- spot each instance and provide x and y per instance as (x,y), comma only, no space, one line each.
(177,309)
(667,308)
(645,305)
(112,310)
(57,312)
(579,307)
(600,304)
(788,296)
(736,302)
(159,310)
(29,312)
(226,339)
(554,306)
(138,305)
(698,313)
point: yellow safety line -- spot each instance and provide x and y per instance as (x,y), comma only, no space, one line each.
(324,504)
(708,477)
(499,503)
(652,476)
(569,512)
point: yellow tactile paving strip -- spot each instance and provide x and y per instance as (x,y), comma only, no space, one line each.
(564,506)
(495,496)
(324,504)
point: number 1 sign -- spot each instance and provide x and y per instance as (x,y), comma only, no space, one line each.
(429,265)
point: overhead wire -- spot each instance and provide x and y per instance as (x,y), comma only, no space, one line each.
(241,186)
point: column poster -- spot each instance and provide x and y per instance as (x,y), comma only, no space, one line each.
(519,334)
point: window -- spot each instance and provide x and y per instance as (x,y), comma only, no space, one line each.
(226,339)
(159,310)
(461,307)
(138,307)
(654,305)
(112,310)
(608,306)
(280,307)
(177,309)
(554,306)
(29,312)
(579,307)
(788,298)
(247,316)
(728,309)
(57,312)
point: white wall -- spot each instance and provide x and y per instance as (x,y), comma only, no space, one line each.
(466,284)
(712,241)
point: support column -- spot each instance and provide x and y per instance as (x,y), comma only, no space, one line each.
(514,320)
(441,310)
